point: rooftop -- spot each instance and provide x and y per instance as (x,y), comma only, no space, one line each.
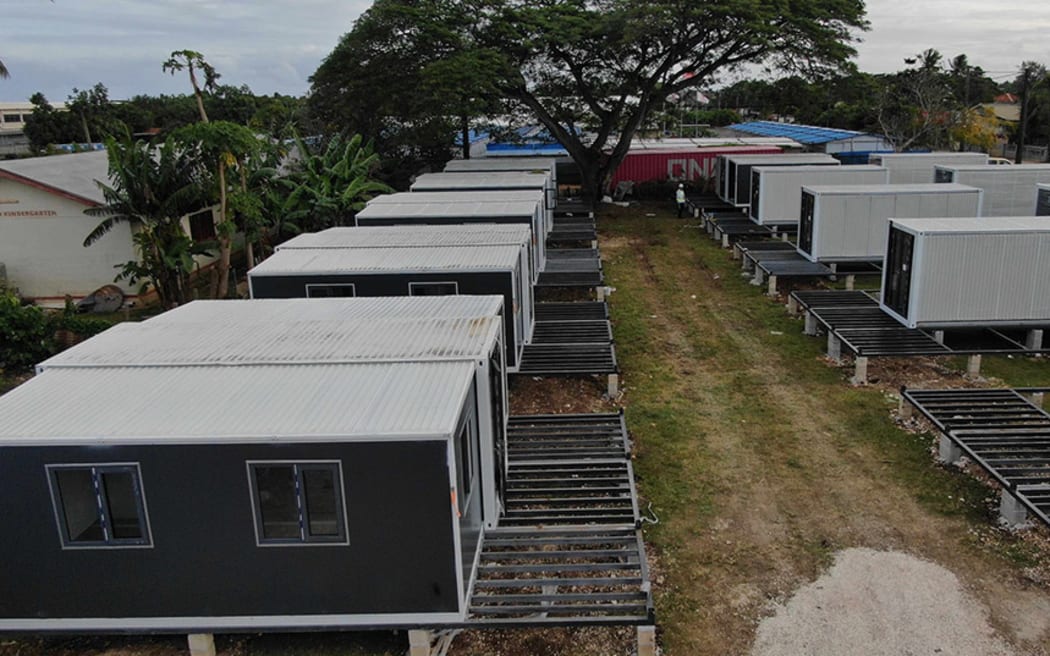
(74,175)
(404,259)
(804,134)
(413,235)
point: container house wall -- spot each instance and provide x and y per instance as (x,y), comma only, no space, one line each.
(919,168)
(517,320)
(538,251)
(1042,200)
(776,193)
(983,279)
(204,564)
(1007,189)
(854,226)
(740,173)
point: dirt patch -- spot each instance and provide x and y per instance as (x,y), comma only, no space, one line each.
(532,396)
(881,603)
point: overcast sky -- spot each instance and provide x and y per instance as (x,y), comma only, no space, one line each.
(275,46)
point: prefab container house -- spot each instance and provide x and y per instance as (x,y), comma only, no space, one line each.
(406,270)
(942,273)
(425,236)
(308,331)
(737,189)
(1042,200)
(498,181)
(252,497)
(776,191)
(547,165)
(843,223)
(453,212)
(918,168)
(1007,189)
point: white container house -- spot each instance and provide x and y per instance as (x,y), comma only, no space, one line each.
(918,168)
(849,223)
(959,272)
(1007,189)
(737,180)
(776,191)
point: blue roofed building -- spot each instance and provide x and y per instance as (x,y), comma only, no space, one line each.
(850,146)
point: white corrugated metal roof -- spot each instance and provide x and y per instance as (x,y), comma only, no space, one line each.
(423,236)
(544,164)
(235,341)
(74,174)
(482,196)
(928,156)
(921,188)
(285,310)
(498,180)
(995,224)
(790,170)
(454,210)
(221,403)
(388,260)
(995,169)
(781,157)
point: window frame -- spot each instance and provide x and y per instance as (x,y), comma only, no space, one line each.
(96,470)
(304,539)
(198,217)
(428,283)
(352,286)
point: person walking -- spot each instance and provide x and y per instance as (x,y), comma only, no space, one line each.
(679,199)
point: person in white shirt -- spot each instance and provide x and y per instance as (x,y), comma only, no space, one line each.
(679,199)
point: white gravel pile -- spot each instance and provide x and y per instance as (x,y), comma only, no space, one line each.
(877,602)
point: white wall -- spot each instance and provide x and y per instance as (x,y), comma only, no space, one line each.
(41,245)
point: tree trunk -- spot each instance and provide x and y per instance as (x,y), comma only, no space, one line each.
(84,125)
(197,93)
(465,126)
(222,283)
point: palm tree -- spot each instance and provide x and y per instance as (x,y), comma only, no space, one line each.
(151,188)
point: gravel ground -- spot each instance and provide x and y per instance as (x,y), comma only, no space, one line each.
(878,602)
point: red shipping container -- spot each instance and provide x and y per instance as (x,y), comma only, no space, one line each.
(686,164)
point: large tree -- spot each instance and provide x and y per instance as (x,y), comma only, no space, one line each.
(591,70)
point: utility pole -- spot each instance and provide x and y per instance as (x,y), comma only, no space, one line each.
(1026,74)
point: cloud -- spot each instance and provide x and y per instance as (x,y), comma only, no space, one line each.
(270,46)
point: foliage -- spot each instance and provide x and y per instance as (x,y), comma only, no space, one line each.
(192,61)
(916,107)
(26,333)
(406,79)
(326,187)
(151,189)
(590,72)
(977,127)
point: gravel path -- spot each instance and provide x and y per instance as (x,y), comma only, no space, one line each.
(872,603)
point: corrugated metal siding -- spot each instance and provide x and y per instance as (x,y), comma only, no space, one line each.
(504,180)
(913,168)
(468,234)
(780,190)
(449,210)
(235,341)
(851,222)
(407,258)
(1008,190)
(683,163)
(491,196)
(983,278)
(258,311)
(261,402)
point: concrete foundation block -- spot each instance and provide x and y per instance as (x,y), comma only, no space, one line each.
(725,240)
(201,644)
(1033,340)
(948,451)
(647,641)
(771,286)
(860,371)
(1011,512)
(599,293)
(938,336)
(1038,399)
(905,409)
(758,278)
(973,366)
(834,348)
(851,282)
(419,642)
(613,385)
(792,306)
(811,326)
(737,254)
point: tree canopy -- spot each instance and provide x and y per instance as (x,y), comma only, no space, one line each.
(589,70)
